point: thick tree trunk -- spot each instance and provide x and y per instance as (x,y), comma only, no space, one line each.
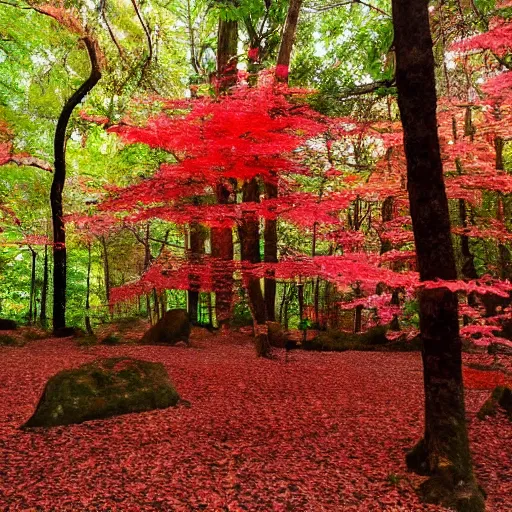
(44,289)
(227,42)
(59,179)
(222,265)
(287,41)
(444,452)
(248,232)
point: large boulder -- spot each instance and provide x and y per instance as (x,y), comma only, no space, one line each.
(339,341)
(501,397)
(7,325)
(173,327)
(101,389)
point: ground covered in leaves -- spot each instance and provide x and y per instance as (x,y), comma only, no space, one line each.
(320,432)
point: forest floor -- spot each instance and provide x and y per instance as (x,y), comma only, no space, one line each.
(319,432)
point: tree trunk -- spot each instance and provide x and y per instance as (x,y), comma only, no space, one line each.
(106,272)
(287,41)
(222,264)
(44,289)
(248,232)
(503,252)
(227,42)
(222,238)
(270,255)
(300,296)
(59,179)
(387,215)
(443,453)
(88,326)
(31,311)
(196,250)
(358,312)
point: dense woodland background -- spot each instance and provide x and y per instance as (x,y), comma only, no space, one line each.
(349,173)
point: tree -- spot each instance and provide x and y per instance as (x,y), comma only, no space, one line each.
(443,452)
(59,233)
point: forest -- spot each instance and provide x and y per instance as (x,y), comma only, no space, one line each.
(255,255)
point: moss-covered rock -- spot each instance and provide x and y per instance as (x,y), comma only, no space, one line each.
(65,332)
(339,341)
(7,340)
(34,333)
(173,327)
(277,335)
(113,338)
(102,389)
(501,397)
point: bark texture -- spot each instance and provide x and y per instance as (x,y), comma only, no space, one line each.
(196,250)
(59,179)
(249,234)
(270,254)
(227,41)
(222,266)
(287,41)
(443,453)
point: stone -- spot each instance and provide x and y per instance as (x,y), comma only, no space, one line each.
(7,325)
(173,327)
(501,397)
(277,335)
(65,332)
(101,389)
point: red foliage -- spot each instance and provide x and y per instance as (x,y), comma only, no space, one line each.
(498,39)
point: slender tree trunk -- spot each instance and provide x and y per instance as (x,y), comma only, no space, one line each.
(270,254)
(31,313)
(443,452)
(44,289)
(300,295)
(196,250)
(503,252)
(88,326)
(287,41)
(106,272)
(387,215)
(59,179)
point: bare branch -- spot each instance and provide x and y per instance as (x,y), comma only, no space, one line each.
(31,161)
(148,37)
(317,10)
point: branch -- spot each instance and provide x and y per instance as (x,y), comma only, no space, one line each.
(148,37)
(318,10)
(31,161)
(110,31)
(359,90)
